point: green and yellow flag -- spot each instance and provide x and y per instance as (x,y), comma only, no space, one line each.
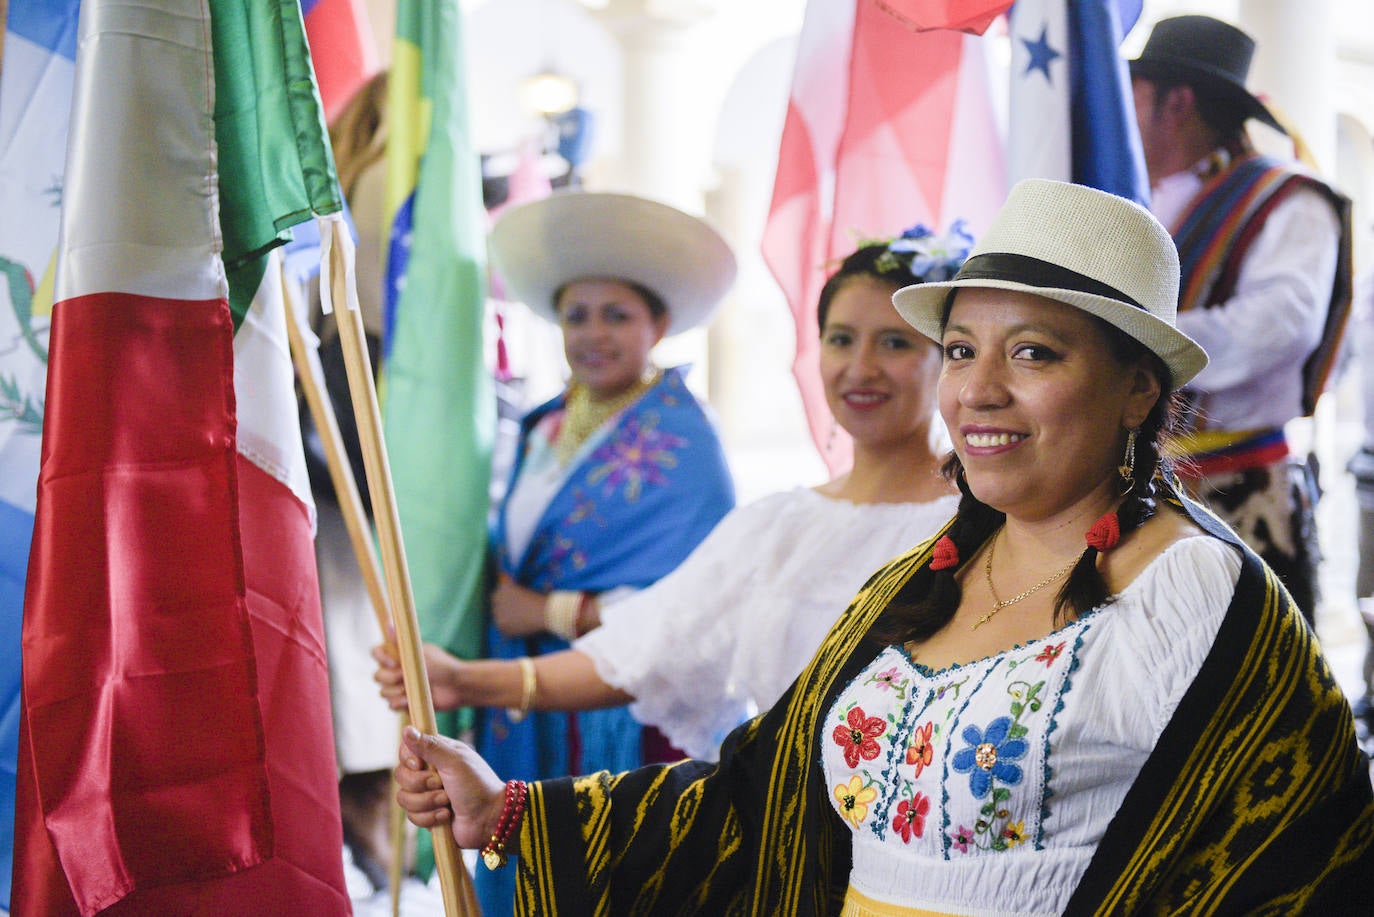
(438,402)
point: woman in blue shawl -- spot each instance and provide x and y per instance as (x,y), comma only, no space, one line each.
(616,479)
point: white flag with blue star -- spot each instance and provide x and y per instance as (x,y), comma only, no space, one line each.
(1071,114)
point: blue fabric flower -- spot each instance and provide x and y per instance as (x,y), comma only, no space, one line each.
(933,258)
(989,755)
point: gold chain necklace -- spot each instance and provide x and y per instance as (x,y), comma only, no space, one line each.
(999,604)
(582,417)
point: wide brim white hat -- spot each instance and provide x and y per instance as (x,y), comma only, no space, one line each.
(581,235)
(1096,251)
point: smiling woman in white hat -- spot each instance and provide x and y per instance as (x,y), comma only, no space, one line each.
(615,480)
(1083,696)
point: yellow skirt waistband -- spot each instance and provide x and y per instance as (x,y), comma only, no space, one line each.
(857,904)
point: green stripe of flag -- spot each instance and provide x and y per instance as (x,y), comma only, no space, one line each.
(275,162)
(439,410)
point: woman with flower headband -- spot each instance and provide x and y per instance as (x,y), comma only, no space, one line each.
(1084,696)
(723,635)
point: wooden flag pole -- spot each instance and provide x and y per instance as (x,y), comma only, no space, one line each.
(454,882)
(311,375)
(397,827)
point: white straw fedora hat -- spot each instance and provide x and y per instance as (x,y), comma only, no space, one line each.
(580,235)
(1101,253)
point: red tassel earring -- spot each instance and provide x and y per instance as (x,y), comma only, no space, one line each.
(945,555)
(1105,532)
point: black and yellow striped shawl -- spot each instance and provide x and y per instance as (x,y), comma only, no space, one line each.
(1256,799)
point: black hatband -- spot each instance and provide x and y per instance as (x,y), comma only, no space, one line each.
(1035,272)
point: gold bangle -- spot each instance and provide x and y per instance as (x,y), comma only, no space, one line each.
(528,685)
(560,613)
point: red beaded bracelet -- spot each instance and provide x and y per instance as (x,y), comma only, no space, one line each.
(494,853)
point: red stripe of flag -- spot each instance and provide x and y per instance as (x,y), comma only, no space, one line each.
(886,127)
(342,49)
(190,778)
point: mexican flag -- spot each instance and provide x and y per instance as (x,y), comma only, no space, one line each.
(176,753)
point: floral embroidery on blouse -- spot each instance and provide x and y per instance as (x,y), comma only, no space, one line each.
(989,755)
(858,736)
(854,798)
(987,760)
(635,455)
(953,688)
(961,837)
(957,760)
(922,749)
(890,680)
(1014,833)
(1050,653)
(910,820)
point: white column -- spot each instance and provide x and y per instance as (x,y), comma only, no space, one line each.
(667,132)
(1295,64)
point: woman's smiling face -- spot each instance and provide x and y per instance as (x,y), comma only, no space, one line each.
(1036,403)
(608,332)
(879,372)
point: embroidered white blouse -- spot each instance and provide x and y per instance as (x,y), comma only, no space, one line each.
(726,633)
(984,788)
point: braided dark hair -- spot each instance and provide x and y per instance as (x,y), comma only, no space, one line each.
(917,612)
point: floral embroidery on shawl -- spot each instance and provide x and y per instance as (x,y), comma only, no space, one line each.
(635,456)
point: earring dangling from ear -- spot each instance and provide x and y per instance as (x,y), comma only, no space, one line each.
(1127,467)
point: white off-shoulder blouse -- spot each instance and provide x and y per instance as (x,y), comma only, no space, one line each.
(726,633)
(984,788)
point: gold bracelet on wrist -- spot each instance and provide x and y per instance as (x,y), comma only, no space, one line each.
(560,613)
(528,685)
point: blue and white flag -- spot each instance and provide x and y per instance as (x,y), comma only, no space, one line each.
(1072,114)
(35,99)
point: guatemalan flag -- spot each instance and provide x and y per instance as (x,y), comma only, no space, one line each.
(1072,114)
(35,97)
(176,754)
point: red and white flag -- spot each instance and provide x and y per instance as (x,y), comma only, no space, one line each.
(887,126)
(343,48)
(176,750)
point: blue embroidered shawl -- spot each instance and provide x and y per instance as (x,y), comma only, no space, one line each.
(630,513)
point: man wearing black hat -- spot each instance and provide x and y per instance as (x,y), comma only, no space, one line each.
(1265,253)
